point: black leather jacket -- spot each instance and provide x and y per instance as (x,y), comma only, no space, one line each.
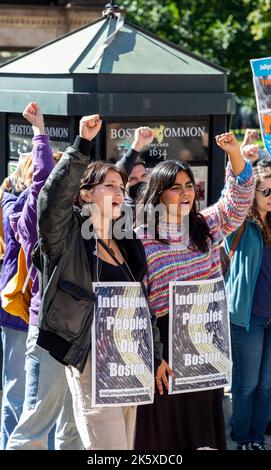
(67,303)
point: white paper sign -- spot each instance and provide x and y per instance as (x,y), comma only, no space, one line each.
(122,346)
(199,339)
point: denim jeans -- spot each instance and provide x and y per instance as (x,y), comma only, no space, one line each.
(13,380)
(101,428)
(47,402)
(251,379)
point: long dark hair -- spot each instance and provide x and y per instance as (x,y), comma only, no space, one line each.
(261,171)
(162,178)
(95,174)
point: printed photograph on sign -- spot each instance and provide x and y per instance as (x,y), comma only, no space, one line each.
(199,340)
(261,69)
(263,90)
(181,140)
(122,346)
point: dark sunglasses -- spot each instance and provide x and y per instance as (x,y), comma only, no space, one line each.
(265,192)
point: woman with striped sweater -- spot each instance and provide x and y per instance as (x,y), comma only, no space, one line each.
(195,419)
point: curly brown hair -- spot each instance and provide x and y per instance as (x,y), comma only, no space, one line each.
(261,171)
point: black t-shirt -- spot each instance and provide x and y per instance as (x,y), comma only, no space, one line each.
(110,273)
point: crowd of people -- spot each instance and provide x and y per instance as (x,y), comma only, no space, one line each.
(48,299)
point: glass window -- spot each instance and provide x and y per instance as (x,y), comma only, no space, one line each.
(184,140)
(20,135)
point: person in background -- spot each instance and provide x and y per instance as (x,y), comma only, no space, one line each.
(47,401)
(14,328)
(134,166)
(251,150)
(248,284)
(5,186)
(248,148)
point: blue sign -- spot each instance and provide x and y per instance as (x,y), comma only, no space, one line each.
(261,69)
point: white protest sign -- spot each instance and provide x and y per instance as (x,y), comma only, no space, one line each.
(122,346)
(199,339)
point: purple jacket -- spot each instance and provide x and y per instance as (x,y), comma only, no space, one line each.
(9,268)
(26,226)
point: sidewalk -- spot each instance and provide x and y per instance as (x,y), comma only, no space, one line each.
(231,445)
(227,406)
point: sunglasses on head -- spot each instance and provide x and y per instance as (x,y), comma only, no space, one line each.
(265,192)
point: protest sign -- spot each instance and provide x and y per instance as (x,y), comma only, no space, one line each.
(199,340)
(122,346)
(261,69)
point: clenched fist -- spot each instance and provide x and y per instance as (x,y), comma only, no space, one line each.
(143,137)
(227,142)
(33,114)
(90,126)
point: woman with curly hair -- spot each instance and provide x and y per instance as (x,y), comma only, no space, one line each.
(249,298)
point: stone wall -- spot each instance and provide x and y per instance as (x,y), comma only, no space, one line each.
(25,27)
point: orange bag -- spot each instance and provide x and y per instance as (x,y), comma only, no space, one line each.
(16,295)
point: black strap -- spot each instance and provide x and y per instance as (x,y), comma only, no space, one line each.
(105,246)
(144,290)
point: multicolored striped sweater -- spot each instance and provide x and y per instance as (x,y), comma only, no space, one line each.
(176,262)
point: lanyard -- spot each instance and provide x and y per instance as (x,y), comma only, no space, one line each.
(104,245)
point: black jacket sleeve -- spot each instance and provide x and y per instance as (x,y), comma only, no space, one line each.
(56,217)
(127,162)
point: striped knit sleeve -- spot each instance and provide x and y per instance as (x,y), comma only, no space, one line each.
(229,212)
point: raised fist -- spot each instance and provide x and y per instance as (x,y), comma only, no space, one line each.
(143,137)
(90,126)
(33,114)
(227,142)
